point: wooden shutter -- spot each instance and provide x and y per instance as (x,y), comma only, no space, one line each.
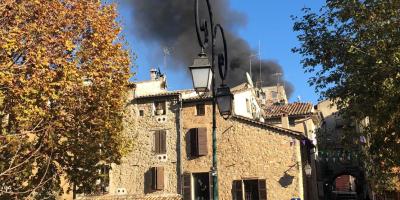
(187,195)
(153,178)
(157,141)
(193,142)
(160,142)
(157,178)
(211,184)
(163,142)
(202,142)
(160,178)
(237,190)
(262,189)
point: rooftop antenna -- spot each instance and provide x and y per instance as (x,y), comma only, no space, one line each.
(167,52)
(259,58)
(250,58)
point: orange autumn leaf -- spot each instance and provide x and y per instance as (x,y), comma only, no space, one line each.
(63,80)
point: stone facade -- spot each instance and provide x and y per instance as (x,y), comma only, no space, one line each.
(133,176)
(246,150)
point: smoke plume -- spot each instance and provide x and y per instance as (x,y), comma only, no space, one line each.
(170,23)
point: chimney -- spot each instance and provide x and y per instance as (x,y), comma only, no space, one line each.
(285,120)
(153,74)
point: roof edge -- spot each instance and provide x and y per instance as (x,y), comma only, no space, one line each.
(293,133)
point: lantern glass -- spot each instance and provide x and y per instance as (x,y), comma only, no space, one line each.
(224,101)
(201,73)
(307,169)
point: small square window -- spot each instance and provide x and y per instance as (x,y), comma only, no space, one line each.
(200,109)
(160,107)
(274,94)
(141,112)
(292,121)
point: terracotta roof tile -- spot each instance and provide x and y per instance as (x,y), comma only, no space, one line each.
(290,109)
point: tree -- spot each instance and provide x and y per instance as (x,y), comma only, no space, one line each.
(64,71)
(353,50)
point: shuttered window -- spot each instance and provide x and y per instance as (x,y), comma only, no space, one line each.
(187,190)
(160,142)
(157,178)
(198,142)
(237,190)
(244,189)
(200,109)
(262,189)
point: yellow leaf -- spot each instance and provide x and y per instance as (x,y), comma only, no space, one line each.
(69,45)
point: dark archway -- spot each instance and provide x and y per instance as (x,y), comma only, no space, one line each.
(359,185)
(345,183)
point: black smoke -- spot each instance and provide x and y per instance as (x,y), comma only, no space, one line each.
(170,23)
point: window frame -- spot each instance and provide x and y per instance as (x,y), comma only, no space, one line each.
(157,178)
(239,188)
(198,142)
(160,142)
(200,107)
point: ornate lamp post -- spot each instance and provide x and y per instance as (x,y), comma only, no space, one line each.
(203,75)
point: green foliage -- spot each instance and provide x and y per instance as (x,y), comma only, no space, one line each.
(64,72)
(353,50)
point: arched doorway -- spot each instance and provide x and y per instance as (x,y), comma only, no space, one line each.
(345,187)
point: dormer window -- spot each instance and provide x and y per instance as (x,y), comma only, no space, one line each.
(160,107)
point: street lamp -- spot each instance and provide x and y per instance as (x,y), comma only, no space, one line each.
(203,75)
(224,101)
(307,169)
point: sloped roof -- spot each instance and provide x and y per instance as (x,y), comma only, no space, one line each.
(270,126)
(240,88)
(297,108)
(163,94)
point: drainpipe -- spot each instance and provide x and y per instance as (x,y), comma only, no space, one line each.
(179,145)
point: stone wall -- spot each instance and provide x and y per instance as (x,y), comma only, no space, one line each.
(133,173)
(246,150)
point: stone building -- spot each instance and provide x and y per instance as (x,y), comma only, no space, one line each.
(301,117)
(172,153)
(255,160)
(152,120)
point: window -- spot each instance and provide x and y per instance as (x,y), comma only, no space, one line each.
(160,107)
(198,142)
(248,106)
(292,121)
(253,189)
(157,178)
(141,112)
(274,94)
(200,109)
(202,187)
(160,142)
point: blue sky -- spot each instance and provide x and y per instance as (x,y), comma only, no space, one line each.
(268,21)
